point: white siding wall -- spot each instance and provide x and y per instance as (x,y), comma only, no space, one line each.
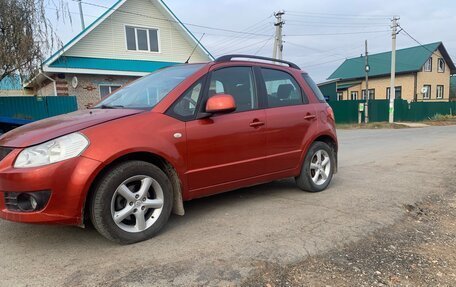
(108,39)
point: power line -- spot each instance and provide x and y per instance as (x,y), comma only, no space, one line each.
(314,24)
(172,21)
(265,43)
(335,34)
(247,46)
(223,44)
(330,15)
(419,43)
(254,28)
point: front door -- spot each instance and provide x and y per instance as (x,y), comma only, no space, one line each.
(226,149)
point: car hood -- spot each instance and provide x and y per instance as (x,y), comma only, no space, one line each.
(47,129)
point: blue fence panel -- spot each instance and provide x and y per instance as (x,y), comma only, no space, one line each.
(61,105)
(36,108)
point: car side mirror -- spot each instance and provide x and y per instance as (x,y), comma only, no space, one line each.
(220,104)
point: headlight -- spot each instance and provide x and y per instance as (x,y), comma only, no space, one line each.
(56,150)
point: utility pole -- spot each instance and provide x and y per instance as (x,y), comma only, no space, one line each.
(278,42)
(366,70)
(81,14)
(394,26)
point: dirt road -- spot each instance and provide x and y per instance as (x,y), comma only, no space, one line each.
(230,238)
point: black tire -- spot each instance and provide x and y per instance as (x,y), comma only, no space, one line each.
(304,180)
(100,208)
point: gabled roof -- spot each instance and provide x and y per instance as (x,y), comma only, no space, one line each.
(407,60)
(51,61)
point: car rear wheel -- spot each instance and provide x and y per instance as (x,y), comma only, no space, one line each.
(132,202)
(317,169)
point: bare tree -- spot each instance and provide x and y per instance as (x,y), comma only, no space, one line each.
(26,34)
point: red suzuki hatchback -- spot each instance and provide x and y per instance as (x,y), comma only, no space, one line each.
(180,133)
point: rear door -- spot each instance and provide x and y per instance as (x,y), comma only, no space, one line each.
(289,116)
(226,149)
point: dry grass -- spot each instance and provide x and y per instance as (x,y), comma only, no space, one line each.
(376,125)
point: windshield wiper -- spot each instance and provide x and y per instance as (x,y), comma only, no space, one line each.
(111,107)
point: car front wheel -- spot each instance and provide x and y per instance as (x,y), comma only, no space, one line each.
(317,169)
(132,202)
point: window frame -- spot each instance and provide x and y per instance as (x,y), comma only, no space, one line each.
(110,88)
(304,98)
(205,96)
(440,60)
(136,27)
(351,95)
(340,96)
(170,111)
(388,92)
(363,94)
(437,92)
(426,64)
(429,92)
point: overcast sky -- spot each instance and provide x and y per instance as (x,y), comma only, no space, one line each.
(318,35)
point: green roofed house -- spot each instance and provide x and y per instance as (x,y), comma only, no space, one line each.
(131,39)
(422,74)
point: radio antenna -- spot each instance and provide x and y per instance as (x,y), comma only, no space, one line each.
(193,51)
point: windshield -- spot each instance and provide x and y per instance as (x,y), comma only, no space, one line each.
(148,91)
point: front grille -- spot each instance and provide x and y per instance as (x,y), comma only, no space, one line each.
(4,151)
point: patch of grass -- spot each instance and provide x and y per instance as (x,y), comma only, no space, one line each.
(441,120)
(376,125)
(439,117)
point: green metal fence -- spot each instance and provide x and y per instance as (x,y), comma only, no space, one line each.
(36,108)
(347,111)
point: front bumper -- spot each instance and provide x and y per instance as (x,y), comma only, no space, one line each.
(68,181)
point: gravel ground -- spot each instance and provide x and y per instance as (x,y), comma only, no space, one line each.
(274,233)
(419,250)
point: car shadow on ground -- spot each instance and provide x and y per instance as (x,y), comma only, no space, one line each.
(231,201)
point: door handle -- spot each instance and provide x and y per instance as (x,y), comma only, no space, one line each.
(256,123)
(310,117)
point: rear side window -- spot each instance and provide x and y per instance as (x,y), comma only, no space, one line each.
(314,88)
(282,89)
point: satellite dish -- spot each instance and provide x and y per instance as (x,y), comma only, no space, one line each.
(74,82)
(424,90)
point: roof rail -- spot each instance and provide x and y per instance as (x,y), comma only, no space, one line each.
(228,58)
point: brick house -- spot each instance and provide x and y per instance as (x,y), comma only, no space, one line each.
(130,40)
(422,74)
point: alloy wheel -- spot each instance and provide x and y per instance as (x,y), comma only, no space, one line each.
(137,203)
(320,167)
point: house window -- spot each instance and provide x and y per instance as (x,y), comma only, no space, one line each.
(141,39)
(441,65)
(439,91)
(371,94)
(398,92)
(340,96)
(427,92)
(108,89)
(353,96)
(428,65)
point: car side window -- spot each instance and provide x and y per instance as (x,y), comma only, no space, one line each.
(185,107)
(282,89)
(237,82)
